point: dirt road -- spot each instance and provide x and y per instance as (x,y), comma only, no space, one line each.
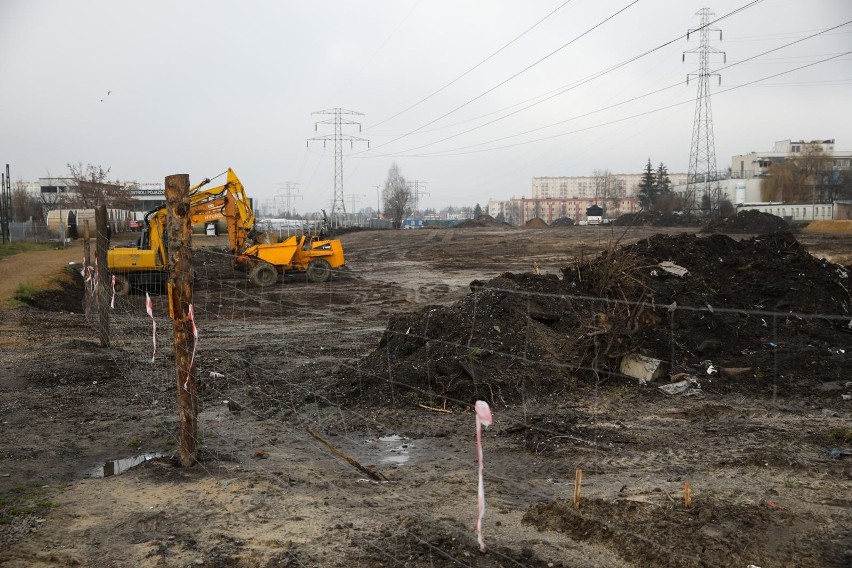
(35,268)
(277,361)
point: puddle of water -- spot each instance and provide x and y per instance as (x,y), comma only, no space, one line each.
(394,449)
(117,467)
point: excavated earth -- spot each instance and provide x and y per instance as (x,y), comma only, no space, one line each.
(384,362)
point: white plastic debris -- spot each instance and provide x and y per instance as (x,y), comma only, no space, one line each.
(643,368)
(686,387)
(673,269)
(215,375)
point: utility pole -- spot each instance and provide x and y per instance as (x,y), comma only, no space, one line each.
(291,192)
(3,211)
(418,192)
(354,205)
(702,153)
(6,206)
(338,208)
(378,202)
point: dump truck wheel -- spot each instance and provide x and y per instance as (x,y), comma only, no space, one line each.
(263,275)
(319,270)
(122,285)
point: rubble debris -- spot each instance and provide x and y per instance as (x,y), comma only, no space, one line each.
(686,387)
(674,269)
(646,369)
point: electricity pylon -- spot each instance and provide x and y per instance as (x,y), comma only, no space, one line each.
(338,207)
(702,153)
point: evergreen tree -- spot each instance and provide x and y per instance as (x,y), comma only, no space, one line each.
(647,188)
(477,211)
(664,184)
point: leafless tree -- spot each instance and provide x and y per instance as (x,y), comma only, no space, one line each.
(24,205)
(801,179)
(608,188)
(94,188)
(397,196)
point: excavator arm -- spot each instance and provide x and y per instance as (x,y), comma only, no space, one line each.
(227,201)
(314,255)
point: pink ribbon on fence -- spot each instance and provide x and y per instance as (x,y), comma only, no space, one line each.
(483,418)
(194,346)
(149,307)
(112,300)
(87,274)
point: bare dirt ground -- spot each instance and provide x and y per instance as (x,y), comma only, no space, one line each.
(754,447)
(37,270)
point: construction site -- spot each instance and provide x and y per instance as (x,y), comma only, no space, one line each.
(660,396)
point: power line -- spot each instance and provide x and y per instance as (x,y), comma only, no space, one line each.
(632,99)
(524,70)
(561,90)
(378,49)
(454,152)
(429,96)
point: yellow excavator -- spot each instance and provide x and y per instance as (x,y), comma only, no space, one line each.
(311,254)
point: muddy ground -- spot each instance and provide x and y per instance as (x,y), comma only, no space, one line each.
(297,357)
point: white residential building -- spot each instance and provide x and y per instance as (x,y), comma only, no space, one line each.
(757,164)
(584,187)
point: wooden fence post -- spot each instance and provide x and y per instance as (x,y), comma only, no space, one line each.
(179,230)
(87,262)
(103,274)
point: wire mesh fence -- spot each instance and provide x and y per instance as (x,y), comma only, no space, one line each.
(644,377)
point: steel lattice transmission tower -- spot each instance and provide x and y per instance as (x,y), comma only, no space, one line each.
(702,154)
(338,208)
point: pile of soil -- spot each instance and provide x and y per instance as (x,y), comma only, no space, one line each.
(699,536)
(482,221)
(520,334)
(842,226)
(749,222)
(563,222)
(656,219)
(536,223)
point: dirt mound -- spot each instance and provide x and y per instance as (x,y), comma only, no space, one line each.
(563,222)
(656,219)
(751,222)
(64,295)
(829,227)
(701,540)
(482,221)
(518,334)
(536,223)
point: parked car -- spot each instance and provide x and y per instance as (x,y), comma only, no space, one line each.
(136,225)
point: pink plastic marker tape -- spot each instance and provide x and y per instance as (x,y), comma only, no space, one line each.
(149,307)
(483,418)
(194,346)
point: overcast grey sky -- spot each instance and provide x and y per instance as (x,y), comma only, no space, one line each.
(197,87)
